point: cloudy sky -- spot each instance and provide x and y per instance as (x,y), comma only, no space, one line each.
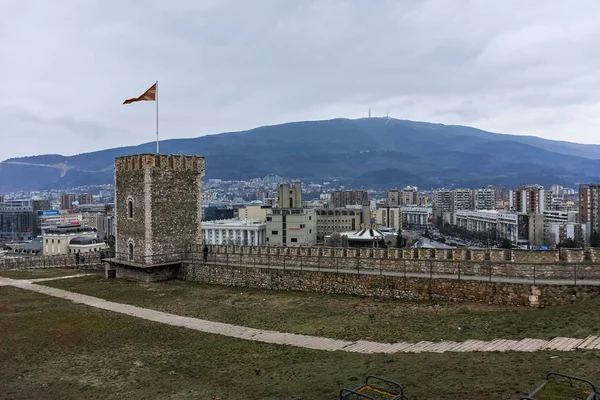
(525,67)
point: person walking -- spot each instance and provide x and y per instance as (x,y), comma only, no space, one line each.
(77,257)
(205,252)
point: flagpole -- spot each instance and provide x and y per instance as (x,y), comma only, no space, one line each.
(156,117)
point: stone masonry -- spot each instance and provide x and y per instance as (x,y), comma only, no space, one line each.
(157,205)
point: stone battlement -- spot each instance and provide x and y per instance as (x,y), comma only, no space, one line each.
(164,162)
(590,255)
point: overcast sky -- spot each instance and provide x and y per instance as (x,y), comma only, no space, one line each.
(525,67)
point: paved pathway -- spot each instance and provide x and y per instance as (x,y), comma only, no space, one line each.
(309,342)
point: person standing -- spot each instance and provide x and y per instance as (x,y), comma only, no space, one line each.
(205,252)
(77,257)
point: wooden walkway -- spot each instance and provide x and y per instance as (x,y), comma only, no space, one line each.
(304,341)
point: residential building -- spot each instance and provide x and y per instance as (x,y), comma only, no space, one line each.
(390,217)
(484,199)
(350,218)
(67,200)
(589,208)
(392,198)
(409,196)
(343,198)
(85,198)
(559,232)
(290,224)
(442,200)
(538,230)
(530,200)
(462,199)
(236,231)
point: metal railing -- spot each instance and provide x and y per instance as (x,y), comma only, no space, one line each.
(86,260)
(463,270)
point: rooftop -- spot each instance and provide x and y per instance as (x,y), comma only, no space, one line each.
(235,222)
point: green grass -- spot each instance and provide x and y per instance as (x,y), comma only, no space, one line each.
(55,349)
(346,317)
(38,273)
(561,390)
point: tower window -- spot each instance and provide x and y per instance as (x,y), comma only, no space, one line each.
(130,209)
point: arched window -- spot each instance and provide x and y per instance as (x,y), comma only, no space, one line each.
(130,209)
(130,251)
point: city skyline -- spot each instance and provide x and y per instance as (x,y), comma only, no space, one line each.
(72,64)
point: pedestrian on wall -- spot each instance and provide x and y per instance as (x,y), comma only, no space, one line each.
(205,252)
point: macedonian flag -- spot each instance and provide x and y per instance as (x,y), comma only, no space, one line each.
(149,95)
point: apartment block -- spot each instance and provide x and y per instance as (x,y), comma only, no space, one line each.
(589,204)
(531,199)
(484,199)
(343,198)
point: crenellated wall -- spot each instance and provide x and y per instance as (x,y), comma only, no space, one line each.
(495,255)
(566,264)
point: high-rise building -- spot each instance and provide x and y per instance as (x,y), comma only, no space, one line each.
(85,198)
(1,198)
(462,199)
(66,201)
(589,204)
(531,200)
(409,196)
(484,199)
(443,199)
(392,198)
(343,198)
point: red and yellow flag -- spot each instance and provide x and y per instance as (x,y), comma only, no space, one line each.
(149,95)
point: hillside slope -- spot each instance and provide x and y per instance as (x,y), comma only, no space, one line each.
(386,152)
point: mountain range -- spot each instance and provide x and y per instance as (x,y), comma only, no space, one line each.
(373,152)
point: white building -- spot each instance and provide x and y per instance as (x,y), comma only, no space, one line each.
(416,215)
(235,231)
(501,225)
(292,227)
(70,240)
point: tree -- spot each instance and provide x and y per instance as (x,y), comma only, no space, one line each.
(568,243)
(335,240)
(506,244)
(595,239)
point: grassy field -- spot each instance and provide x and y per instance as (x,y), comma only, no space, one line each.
(39,273)
(346,317)
(56,349)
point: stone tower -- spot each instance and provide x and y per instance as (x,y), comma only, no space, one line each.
(157,205)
